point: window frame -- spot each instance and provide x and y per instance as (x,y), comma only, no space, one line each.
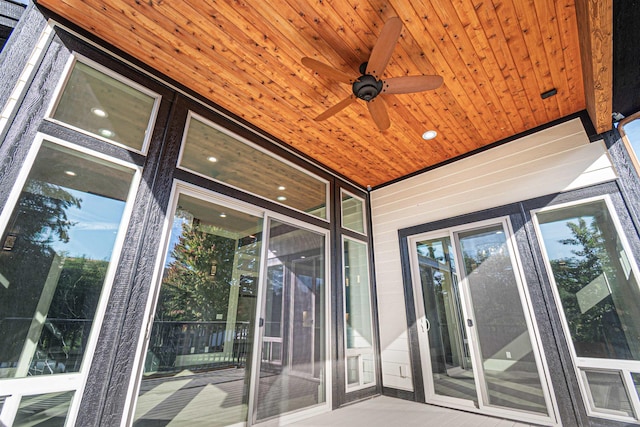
(180,187)
(76,57)
(191,115)
(364,214)
(580,364)
(76,381)
(627,142)
(358,352)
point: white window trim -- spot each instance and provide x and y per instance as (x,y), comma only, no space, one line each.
(76,381)
(625,367)
(364,210)
(76,57)
(359,351)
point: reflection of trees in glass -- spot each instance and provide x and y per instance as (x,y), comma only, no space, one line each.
(573,273)
(42,215)
(197,282)
(39,221)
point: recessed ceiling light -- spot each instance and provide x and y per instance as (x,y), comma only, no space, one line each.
(99,112)
(282,188)
(107,133)
(70,173)
(212,159)
(430,134)
(223,215)
(281,198)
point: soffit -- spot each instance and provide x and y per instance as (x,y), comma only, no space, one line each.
(496,58)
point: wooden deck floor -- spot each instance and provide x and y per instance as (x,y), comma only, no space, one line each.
(387,411)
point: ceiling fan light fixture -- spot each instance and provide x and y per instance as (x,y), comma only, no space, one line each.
(430,134)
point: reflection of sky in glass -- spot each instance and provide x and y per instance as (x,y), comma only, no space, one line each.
(95,226)
(484,244)
(176,232)
(632,129)
(554,232)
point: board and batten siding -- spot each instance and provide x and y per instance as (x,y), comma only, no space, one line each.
(556,159)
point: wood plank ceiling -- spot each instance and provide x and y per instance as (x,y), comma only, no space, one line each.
(496,57)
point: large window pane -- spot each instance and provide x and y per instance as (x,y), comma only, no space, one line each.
(508,361)
(201,339)
(359,329)
(296,378)
(99,104)
(597,287)
(55,254)
(218,155)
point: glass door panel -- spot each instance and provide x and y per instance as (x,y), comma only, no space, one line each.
(201,343)
(451,366)
(292,365)
(504,347)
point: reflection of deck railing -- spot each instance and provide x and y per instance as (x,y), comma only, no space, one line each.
(58,345)
(175,346)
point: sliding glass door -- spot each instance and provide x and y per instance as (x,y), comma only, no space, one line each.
(474,325)
(292,372)
(201,340)
(239,331)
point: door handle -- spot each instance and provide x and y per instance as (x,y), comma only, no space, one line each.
(469,322)
(425,325)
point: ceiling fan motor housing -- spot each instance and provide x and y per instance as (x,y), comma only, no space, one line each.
(367,87)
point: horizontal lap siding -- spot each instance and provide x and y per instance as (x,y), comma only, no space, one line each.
(554,160)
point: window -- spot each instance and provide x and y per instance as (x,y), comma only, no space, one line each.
(59,252)
(352,212)
(357,305)
(214,153)
(596,284)
(106,105)
(630,131)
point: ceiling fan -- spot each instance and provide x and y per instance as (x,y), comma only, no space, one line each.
(369,85)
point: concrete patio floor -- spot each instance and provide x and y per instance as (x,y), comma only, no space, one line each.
(386,411)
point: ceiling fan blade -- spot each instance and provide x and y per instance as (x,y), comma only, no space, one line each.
(384,47)
(410,84)
(333,110)
(378,111)
(327,70)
